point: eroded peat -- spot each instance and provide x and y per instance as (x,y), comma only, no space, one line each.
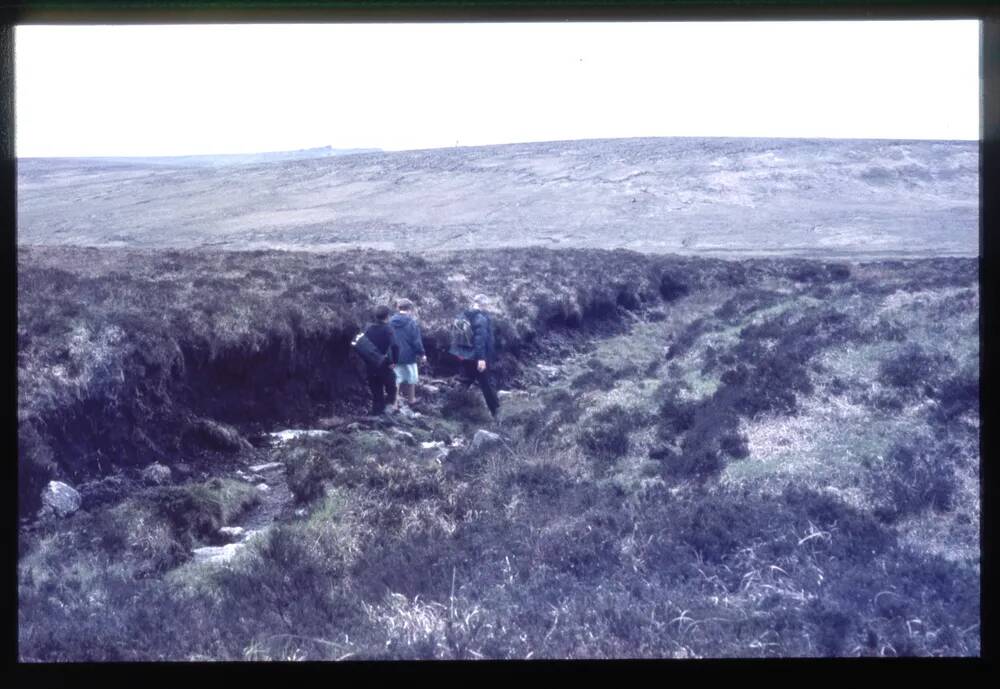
(699,458)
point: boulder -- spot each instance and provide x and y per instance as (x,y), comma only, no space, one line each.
(484,439)
(60,498)
(156,474)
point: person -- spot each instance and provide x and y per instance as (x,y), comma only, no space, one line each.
(381,378)
(411,349)
(476,352)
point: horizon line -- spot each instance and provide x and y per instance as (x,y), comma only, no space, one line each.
(377,149)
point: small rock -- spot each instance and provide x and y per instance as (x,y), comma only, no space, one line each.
(550,371)
(483,439)
(263,487)
(431,444)
(60,498)
(353,427)
(217,554)
(430,389)
(301,512)
(183,470)
(259,468)
(156,474)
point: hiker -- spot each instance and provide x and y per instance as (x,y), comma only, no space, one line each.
(411,349)
(380,352)
(472,343)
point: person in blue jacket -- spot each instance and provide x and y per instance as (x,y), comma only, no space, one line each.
(477,356)
(411,350)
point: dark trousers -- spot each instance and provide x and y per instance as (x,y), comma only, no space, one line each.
(470,374)
(382,383)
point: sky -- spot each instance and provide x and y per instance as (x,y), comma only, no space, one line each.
(180,89)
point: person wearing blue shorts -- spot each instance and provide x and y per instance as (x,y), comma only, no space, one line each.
(411,350)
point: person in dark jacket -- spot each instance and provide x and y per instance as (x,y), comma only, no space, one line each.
(381,379)
(477,359)
(411,349)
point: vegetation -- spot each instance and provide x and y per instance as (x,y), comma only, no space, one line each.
(731,461)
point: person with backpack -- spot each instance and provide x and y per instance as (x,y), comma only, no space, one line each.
(379,350)
(472,343)
(411,349)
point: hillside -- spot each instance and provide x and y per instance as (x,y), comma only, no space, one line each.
(700,458)
(852,199)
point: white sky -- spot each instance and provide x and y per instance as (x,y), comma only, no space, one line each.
(181,89)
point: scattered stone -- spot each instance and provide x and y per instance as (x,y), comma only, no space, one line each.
(232,533)
(432,443)
(263,487)
(483,439)
(217,554)
(62,499)
(217,436)
(430,389)
(285,436)
(156,474)
(301,512)
(270,466)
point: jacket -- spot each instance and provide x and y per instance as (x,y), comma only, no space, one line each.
(385,339)
(482,334)
(411,345)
